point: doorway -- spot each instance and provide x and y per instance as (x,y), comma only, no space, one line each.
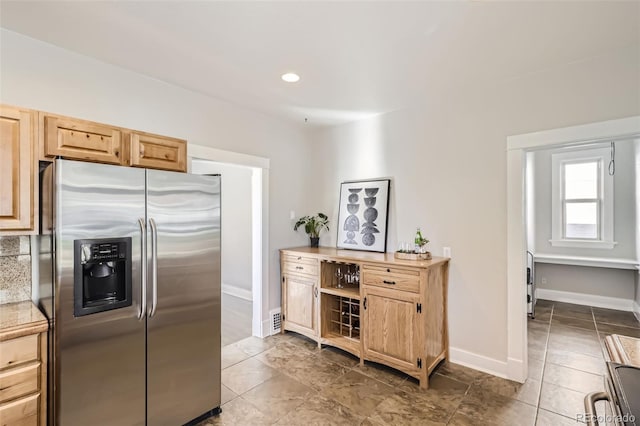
(517,148)
(244,222)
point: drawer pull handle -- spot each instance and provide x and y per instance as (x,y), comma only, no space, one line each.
(389,282)
(299,267)
(299,257)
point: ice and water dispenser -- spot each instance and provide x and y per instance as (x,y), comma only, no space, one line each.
(102,275)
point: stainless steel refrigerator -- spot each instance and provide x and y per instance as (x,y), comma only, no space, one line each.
(131,285)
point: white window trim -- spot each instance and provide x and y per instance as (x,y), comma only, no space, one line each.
(606,208)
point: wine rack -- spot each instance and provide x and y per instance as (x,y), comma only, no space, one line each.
(344,318)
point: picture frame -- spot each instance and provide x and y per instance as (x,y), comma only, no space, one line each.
(363,215)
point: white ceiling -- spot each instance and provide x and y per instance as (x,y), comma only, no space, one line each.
(355,59)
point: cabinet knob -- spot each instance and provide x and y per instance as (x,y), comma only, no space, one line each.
(388,270)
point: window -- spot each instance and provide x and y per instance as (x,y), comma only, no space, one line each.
(582,199)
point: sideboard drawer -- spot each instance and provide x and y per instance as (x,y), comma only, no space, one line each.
(301,268)
(299,259)
(21,412)
(19,381)
(18,351)
(300,265)
(394,278)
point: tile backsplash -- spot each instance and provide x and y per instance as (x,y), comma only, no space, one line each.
(15,269)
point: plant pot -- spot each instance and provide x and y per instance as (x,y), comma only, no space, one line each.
(314,241)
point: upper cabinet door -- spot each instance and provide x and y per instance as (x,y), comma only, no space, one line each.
(158,152)
(16,169)
(81,140)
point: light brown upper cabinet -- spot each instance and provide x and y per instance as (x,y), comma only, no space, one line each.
(158,152)
(80,140)
(17,170)
(76,139)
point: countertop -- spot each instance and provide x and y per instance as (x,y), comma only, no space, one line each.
(624,349)
(21,319)
(362,256)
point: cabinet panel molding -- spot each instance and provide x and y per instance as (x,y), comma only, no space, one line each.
(81,140)
(157,152)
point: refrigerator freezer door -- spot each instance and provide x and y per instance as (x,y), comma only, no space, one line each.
(99,358)
(183,325)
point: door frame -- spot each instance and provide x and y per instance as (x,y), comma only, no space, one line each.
(260,325)
(517,147)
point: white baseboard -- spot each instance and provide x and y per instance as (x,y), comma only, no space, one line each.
(479,362)
(266,328)
(241,293)
(636,310)
(515,370)
(586,299)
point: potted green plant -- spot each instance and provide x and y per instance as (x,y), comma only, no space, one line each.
(312,226)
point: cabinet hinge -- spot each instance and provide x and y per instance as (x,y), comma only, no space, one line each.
(419,308)
(283,280)
(282,317)
(419,362)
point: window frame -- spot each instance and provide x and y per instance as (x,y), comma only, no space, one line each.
(604,200)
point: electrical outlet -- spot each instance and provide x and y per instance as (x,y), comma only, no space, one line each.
(292,214)
(543,280)
(446,251)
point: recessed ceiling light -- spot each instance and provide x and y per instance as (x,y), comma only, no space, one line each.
(290,77)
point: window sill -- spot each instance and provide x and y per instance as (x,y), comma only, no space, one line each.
(584,244)
(598,262)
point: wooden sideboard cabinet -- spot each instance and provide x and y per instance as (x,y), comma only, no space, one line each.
(18,202)
(23,365)
(372,305)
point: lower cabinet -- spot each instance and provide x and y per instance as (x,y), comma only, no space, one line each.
(300,298)
(378,308)
(391,328)
(23,365)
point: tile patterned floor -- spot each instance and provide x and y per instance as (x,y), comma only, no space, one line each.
(286,380)
(236,319)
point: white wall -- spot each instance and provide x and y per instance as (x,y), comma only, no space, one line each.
(607,282)
(448,163)
(41,76)
(624,207)
(236,245)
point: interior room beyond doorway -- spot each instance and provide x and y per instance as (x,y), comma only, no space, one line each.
(236,247)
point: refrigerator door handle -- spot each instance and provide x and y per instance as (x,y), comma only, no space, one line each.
(154,267)
(143,268)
